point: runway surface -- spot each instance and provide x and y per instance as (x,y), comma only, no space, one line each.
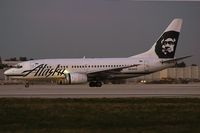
(106,91)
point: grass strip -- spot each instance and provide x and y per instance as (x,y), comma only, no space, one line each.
(139,115)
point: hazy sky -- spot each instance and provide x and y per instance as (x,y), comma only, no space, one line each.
(93,28)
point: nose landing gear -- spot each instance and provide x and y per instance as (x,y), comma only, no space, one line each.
(26,84)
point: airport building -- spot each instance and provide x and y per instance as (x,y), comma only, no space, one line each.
(11,63)
(189,73)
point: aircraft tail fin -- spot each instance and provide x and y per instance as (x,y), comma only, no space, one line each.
(165,46)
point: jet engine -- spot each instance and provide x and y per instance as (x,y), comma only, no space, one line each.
(76,78)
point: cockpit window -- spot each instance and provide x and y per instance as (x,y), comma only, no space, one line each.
(17,66)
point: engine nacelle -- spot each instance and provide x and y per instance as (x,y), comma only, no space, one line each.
(76,78)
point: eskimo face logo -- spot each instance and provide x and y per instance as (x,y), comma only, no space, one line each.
(168,45)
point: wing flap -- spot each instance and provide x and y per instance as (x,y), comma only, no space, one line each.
(108,72)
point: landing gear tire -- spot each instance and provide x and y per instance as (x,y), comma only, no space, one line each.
(91,84)
(95,84)
(98,84)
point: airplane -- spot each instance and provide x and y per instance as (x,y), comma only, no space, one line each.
(97,70)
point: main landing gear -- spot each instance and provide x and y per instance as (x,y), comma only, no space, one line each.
(95,84)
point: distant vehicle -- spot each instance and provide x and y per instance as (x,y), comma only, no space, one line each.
(97,70)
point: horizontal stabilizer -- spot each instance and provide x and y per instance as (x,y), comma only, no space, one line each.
(175,59)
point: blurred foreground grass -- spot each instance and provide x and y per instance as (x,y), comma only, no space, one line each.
(139,115)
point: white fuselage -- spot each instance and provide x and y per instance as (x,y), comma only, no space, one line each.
(52,68)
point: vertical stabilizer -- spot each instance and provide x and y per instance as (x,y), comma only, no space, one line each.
(165,46)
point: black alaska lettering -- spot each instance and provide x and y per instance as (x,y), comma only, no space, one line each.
(61,72)
(56,70)
(43,70)
(49,73)
(27,72)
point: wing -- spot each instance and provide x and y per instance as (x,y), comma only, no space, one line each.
(103,74)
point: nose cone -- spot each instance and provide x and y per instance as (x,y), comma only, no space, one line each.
(8,72)
(13,72)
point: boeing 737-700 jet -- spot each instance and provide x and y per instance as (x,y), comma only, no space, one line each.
(97,70)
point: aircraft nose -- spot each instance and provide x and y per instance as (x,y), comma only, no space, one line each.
(8,72)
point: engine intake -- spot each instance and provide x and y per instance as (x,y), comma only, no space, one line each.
(76,78)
